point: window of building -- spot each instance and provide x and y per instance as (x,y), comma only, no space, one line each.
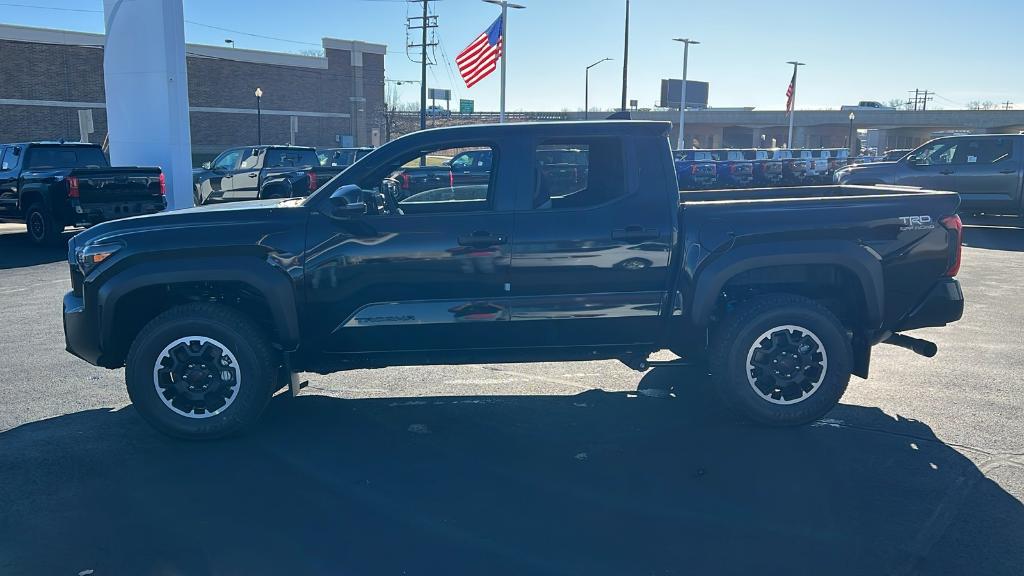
(578,174)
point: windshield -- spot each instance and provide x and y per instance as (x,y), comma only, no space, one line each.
(48,157)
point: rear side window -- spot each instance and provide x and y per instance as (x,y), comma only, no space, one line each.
(285,158)
(47,157)
(984,151)
(578,174)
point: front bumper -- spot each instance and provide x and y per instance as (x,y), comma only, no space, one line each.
(80,337)
(943,304)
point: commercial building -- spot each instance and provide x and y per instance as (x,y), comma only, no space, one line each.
(51,87)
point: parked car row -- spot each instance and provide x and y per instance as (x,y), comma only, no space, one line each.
(743,168)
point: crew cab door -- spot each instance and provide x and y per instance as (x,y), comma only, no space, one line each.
(217,182)
(9,181)
(987,174)
(590,257)
(423,275)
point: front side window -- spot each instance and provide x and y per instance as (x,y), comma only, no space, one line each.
(936,153)
(436,181)
(228,160)
(578,174)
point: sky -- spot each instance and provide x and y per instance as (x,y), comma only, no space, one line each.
(860,50)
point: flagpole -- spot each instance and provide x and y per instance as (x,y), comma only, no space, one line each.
(792,110)
(505,5)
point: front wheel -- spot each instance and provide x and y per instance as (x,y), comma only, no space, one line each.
(201,371)
(781,360)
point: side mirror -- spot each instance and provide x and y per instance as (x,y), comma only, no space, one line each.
(207,165)
(348,201)
(446,163)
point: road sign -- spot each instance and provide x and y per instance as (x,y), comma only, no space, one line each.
(466,106)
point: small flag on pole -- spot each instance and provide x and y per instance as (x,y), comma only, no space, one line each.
(480,58)
(790,93)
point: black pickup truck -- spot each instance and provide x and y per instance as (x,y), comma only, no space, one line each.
(987,170)
(258,172)
(779,292)
(52,185)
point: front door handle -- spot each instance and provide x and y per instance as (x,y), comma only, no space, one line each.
(253,174)
(635,233)
(945,172)
(482,238)
(1007,171)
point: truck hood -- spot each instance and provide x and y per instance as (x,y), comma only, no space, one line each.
(184,222)
(884,172)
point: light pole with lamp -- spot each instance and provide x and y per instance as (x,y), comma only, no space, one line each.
(586,89)
(505,5)
(259,118)
(229,42)
(682,98)
(850,141)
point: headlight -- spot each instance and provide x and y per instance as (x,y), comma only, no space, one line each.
(90,255)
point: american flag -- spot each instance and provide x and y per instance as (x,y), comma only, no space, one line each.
(790,93)
(480,58)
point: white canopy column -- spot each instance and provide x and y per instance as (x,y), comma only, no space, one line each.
(146,83)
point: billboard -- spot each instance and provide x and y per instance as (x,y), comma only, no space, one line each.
(439,94)
(696,93)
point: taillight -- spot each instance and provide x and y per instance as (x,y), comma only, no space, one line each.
(451,179)
(72,186)
(953,224)
(312,181)
(405,181)
(163,185)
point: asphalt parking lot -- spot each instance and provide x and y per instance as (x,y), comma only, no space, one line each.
(522,469)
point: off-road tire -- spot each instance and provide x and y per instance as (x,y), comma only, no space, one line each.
(736,340)
(257,369)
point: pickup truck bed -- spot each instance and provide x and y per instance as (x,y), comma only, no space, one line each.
(779,293)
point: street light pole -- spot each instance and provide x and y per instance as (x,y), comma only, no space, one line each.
(259,118)
(586,89)
(792,111)
(682,100)
(850,141)
(505,5)
(625,58)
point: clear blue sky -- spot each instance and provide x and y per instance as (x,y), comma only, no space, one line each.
(858,50)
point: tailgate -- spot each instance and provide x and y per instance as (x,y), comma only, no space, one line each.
(99,185)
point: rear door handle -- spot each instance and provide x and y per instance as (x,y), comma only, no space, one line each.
(635,233)
(482,238)
(253,174)
(1007,171)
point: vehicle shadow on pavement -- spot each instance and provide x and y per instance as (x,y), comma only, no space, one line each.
(595,483)
(994,233)
(17,251)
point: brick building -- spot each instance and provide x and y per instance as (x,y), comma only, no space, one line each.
(51,83)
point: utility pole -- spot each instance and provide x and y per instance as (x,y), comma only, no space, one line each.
(925,98)
(505,5)
(1007,105)
(792,111)
(917,95)
(426,23)
(625,58)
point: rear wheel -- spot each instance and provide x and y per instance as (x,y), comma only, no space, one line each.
(43,228)
(201,371)
(781,360)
